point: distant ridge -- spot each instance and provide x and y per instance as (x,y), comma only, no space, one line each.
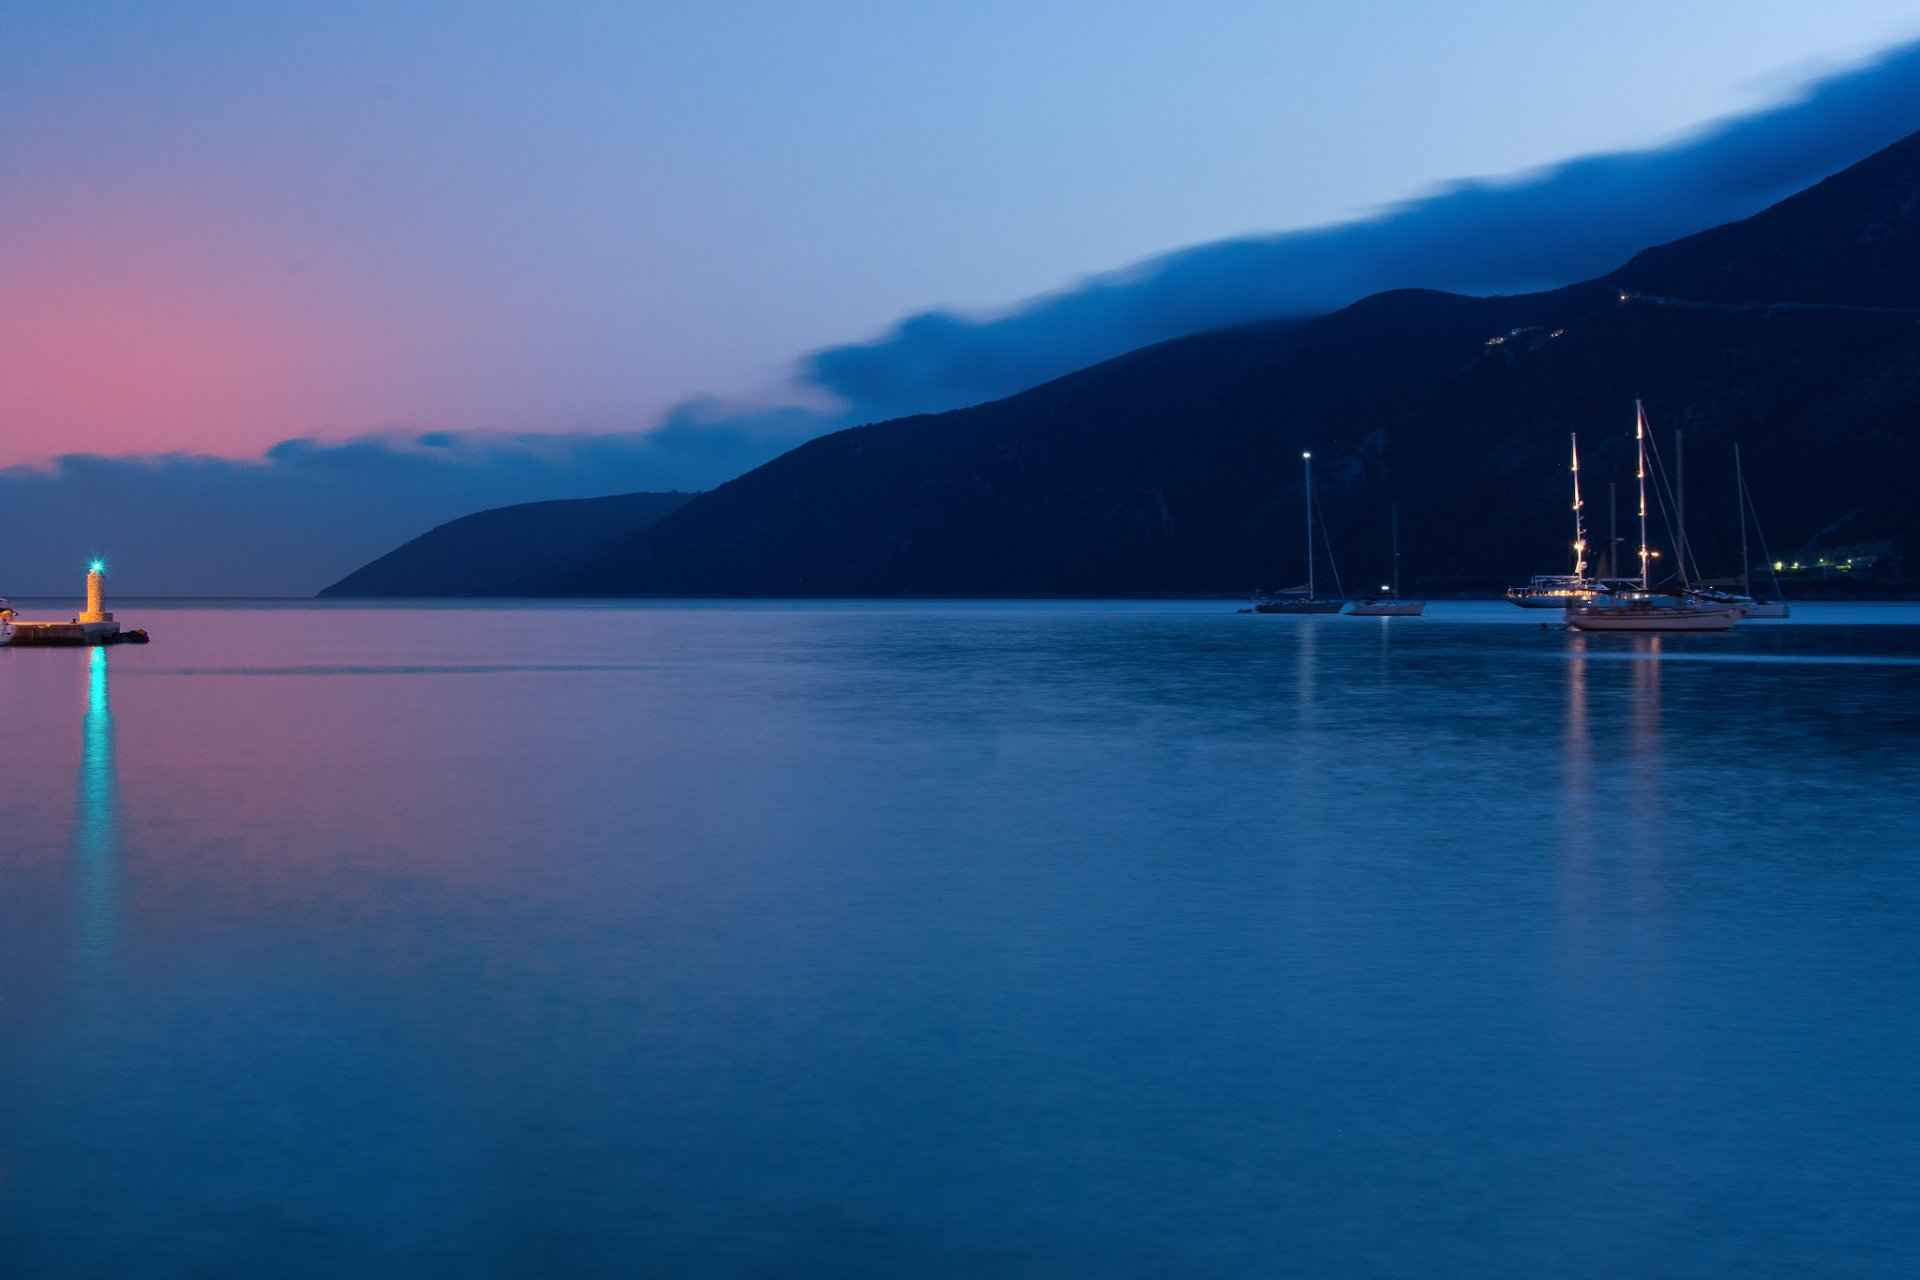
(503,550)
(1175,468)
(1795,332)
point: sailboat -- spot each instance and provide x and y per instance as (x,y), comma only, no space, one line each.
(1390,605)
(1303,599)
(1755,608)
(1743,599)
(1647,609)
(1558,590)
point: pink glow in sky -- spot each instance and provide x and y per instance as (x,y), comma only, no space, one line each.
(121,338)
(225,225)
(171,328)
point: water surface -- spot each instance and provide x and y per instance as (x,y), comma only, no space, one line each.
(1083,940)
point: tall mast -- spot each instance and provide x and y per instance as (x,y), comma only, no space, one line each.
(1740,499)
(1613,532)
(1306,461)
(1579,518)
(1396,550)
(1640,443)
(1680,502)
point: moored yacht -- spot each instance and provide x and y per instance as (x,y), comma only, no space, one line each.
(1645,609)
(1390,605)
(1558,590)
(1551,591)
(1649,611)
(1387,607)
(1303,599)
(1295,600)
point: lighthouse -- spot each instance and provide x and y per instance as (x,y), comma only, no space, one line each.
(93,626)
(96,594)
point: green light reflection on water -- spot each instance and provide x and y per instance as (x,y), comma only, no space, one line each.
(97,821)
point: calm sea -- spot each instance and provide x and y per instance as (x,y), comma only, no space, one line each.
(959,940)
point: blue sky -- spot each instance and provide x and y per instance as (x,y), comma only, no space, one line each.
(225,226)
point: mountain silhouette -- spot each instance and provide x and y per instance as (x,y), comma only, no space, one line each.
(500,551)
(1176,468)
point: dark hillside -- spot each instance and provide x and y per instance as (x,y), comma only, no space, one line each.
(499,552)
(1176,468)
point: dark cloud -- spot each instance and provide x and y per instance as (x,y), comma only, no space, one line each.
(309,512)
(1570,222)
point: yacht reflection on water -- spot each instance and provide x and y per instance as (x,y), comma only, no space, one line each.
(1576,807)
(1645,844)
(96,826)
(1578,774)
(1612,766)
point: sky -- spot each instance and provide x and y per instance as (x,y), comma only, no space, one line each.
(293,282)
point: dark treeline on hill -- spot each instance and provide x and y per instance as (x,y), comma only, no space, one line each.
(508,550)
(1173,469)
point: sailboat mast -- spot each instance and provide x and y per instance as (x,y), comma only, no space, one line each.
(1640,443)
(1740,497)
(1613,530)
(1579,518)
(1306,461)
(1395,509)
(1680,502)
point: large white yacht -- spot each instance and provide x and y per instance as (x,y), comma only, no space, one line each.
(1558,590)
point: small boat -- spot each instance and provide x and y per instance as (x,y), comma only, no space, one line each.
(1390,605)
(1295,600)
(1713,597)
(1645,609)
(1719,594)
(6,620)
(1558,590)
(1387,607)
(1303,599)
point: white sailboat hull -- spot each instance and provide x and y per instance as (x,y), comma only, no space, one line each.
(1299,606)
(1746,606)
(1640,617)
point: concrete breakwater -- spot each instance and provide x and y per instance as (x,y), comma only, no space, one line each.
(92,627)
(28,634)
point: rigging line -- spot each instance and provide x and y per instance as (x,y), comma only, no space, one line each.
(1746,494)
(1320,513)
(1662,498)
